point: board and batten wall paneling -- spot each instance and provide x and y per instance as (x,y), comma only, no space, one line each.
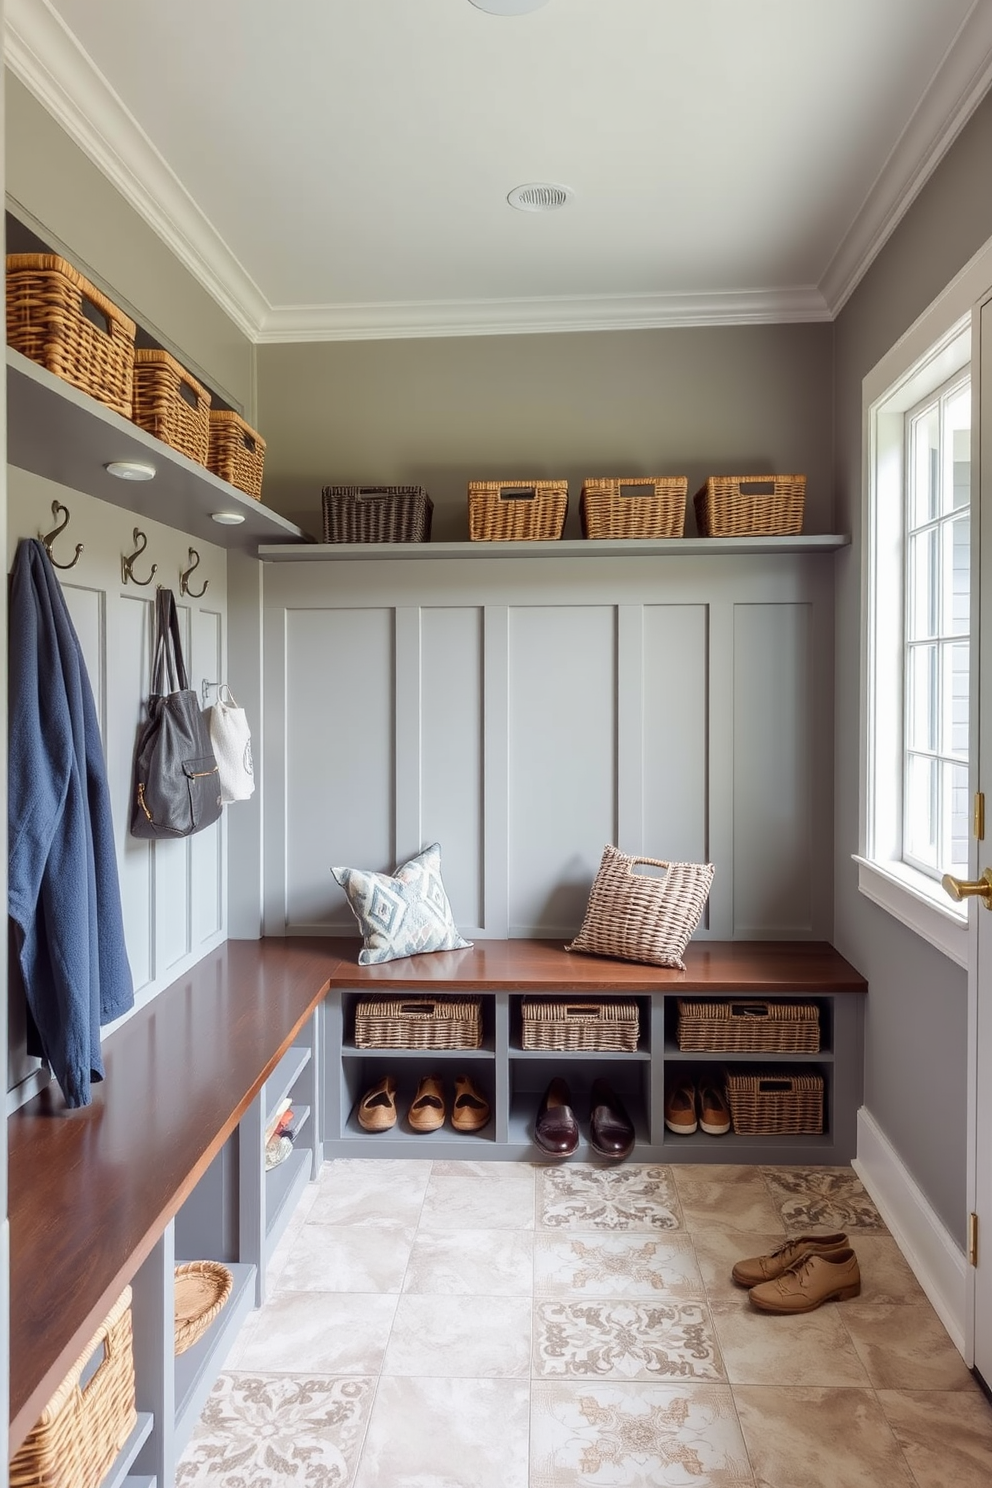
(523,713)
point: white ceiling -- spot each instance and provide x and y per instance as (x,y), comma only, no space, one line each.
(339,168)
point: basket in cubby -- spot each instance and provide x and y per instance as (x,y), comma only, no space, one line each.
(236,452)
(201,1290)
(376,514)
(418,1023)
(88,1420)
(766,1102)
(516,511)
(635,506)
(750,506)
(748,1025)
(64,323)
(563,1023)
(171,404)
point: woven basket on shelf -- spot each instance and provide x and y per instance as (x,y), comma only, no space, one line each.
(640,506)
(171,404)
(748,1025)
(775,1101)
(750,505)
(202,1288)
(84,1426)
(638,917)
(562,1024)
(419,1023)
(516,511)
(236,452)
(365,514)
(63,322)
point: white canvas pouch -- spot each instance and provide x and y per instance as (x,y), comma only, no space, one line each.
(231,740)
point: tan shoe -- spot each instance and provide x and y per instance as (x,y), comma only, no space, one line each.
(809,1282)
(470,1111)
(427,1112)
(757,1269)
(680,1108)
(377,1107)
(714,1113)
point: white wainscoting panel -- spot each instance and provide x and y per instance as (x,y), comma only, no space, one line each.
(673,686)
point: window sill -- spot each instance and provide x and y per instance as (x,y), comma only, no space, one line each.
(918,902)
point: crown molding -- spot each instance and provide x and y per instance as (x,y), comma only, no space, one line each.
(45,56)
(957,88)
(537,316)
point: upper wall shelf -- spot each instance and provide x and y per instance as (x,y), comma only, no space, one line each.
(670,547)
(56,431)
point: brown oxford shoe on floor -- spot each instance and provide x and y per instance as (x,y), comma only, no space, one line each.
(611,1130)
(756,1269)
(556,1130)
(809,1282)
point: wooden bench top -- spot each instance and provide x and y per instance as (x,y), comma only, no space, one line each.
(91,1191)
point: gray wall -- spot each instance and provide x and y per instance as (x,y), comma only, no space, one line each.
(438,412)
(916,1026)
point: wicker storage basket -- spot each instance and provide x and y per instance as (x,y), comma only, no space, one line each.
(83,1427)
(376,514)
(636,917)
(419,1023)
(236,452)
(62,321)
(516,511)
(202,1288)
(750,505)
(748,1025)
(562,1024)
(775,1101)
(171,404)
(641,506)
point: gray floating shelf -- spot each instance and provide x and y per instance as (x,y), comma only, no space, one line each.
(669,547)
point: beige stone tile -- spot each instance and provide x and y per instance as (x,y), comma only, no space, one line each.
(809,1200)
(573,1265)
(946,1436)
(625,1341)
(760,1348)
(485,1263)
(290,1234)
(638,1197)
(717,1249)
(590,1433)
(905,1347)
(725,1196)
(347,1258)
(819,1438)
(460,1337)
(492,1172)
(371,1192)
(432,1433)
(885,1272)
(315,1332)
(472,1203)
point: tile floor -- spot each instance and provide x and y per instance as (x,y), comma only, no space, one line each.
(502,1325)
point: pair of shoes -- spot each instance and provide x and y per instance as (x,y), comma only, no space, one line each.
(469,1112)
(801,1275)
(556,1131)
(685,1099)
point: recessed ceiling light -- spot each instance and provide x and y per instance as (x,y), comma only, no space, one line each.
(135,470)
(228,518)
(540,196)
(509,7)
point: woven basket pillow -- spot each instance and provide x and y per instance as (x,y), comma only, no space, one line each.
(637,917)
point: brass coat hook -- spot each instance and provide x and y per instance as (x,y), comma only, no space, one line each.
(127,564)
(194,562)
(60,526)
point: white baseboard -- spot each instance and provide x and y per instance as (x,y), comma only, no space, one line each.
(937,1261)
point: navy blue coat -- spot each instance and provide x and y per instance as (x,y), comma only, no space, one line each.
(64,891)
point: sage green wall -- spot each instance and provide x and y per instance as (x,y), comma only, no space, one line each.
(438,412)
(915,1072)
(50,177)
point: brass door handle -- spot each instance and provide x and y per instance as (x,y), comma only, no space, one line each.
(962,888)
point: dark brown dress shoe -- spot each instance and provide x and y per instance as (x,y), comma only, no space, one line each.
(611,1130)
(557,1130)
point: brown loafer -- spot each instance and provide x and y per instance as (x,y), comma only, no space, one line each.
(556,1130)
(809,1282)
(611,1131)
(680,1108)
(714,1113)
(470,1111)
(427,1111)
(757,1269)
(377,1107)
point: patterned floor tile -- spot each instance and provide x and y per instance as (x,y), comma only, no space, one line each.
(439,1433)
(258,1431)
(820,1439)
(635,1435)
(946,1437)
(619,1266)
(625,1341)
(639,1196)
(809,1200)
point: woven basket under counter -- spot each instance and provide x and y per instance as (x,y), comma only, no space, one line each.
(775,1102)
(419,1023)
(171,404)
(84,1427)
(748,1025)
(376,514)
(750,506)
(608,1026)
(641,506)
(61,321)
(236,452)
(516,511)
(201,1290)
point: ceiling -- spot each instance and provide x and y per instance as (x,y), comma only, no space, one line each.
(335,169)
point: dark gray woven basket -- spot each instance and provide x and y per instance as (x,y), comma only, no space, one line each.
(377,514)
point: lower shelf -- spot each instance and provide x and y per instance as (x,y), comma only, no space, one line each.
(283,1186)
(117,1477)
(198,1367)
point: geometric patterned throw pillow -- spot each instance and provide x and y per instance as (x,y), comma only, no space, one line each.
(403,914)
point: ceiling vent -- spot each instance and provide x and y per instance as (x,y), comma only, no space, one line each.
(539,196)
